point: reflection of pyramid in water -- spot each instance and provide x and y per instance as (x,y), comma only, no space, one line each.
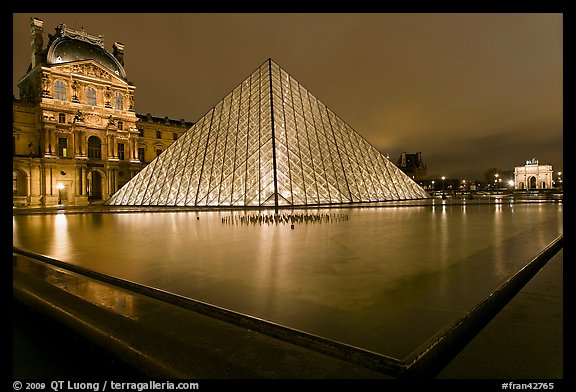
(268,143)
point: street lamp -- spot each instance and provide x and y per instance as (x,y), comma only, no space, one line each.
(511,185)
(443,178)
(59,186)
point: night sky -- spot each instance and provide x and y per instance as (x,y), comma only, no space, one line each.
(470,91)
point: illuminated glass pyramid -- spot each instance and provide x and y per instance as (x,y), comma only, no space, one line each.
(268,143)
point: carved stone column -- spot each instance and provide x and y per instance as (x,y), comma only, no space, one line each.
(78,180)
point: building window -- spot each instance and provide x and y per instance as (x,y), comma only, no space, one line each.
(94,148)
(14,183)
(158,135)
(59,90)
(62,118)
(90,96)
(63,147)
(118,101)
(174,136)
(158,151)
(120,125)
(121,151)
(140,132)
(141,151)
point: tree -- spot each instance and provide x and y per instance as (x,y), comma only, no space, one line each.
(490,174)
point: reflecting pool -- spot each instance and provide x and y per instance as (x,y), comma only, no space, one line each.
(385,279)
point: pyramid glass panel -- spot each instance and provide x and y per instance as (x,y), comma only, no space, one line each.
(270,142)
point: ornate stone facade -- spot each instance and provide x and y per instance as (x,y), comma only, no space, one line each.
(533,176)
(76,136)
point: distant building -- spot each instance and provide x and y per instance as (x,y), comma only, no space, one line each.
(156,134)
(533,175)
(76,137)
(412,165)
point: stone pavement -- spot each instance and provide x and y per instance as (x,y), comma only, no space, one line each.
(526,339)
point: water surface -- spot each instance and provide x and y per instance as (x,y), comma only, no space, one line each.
(383,279)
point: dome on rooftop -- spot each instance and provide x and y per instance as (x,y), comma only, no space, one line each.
(67,49)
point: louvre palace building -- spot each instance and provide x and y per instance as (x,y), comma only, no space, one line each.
(78,140)
(76,136)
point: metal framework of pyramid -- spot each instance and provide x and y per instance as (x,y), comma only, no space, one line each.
(268,143)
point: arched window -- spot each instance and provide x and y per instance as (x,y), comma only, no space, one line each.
(94,148)
(90,96)
(59,90)
(118,101)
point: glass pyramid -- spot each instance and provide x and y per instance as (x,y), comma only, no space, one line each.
(268,143)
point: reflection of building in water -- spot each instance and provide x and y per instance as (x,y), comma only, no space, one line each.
(533,175)
(100,294)
(76,136)
(412,165)
(107,296)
